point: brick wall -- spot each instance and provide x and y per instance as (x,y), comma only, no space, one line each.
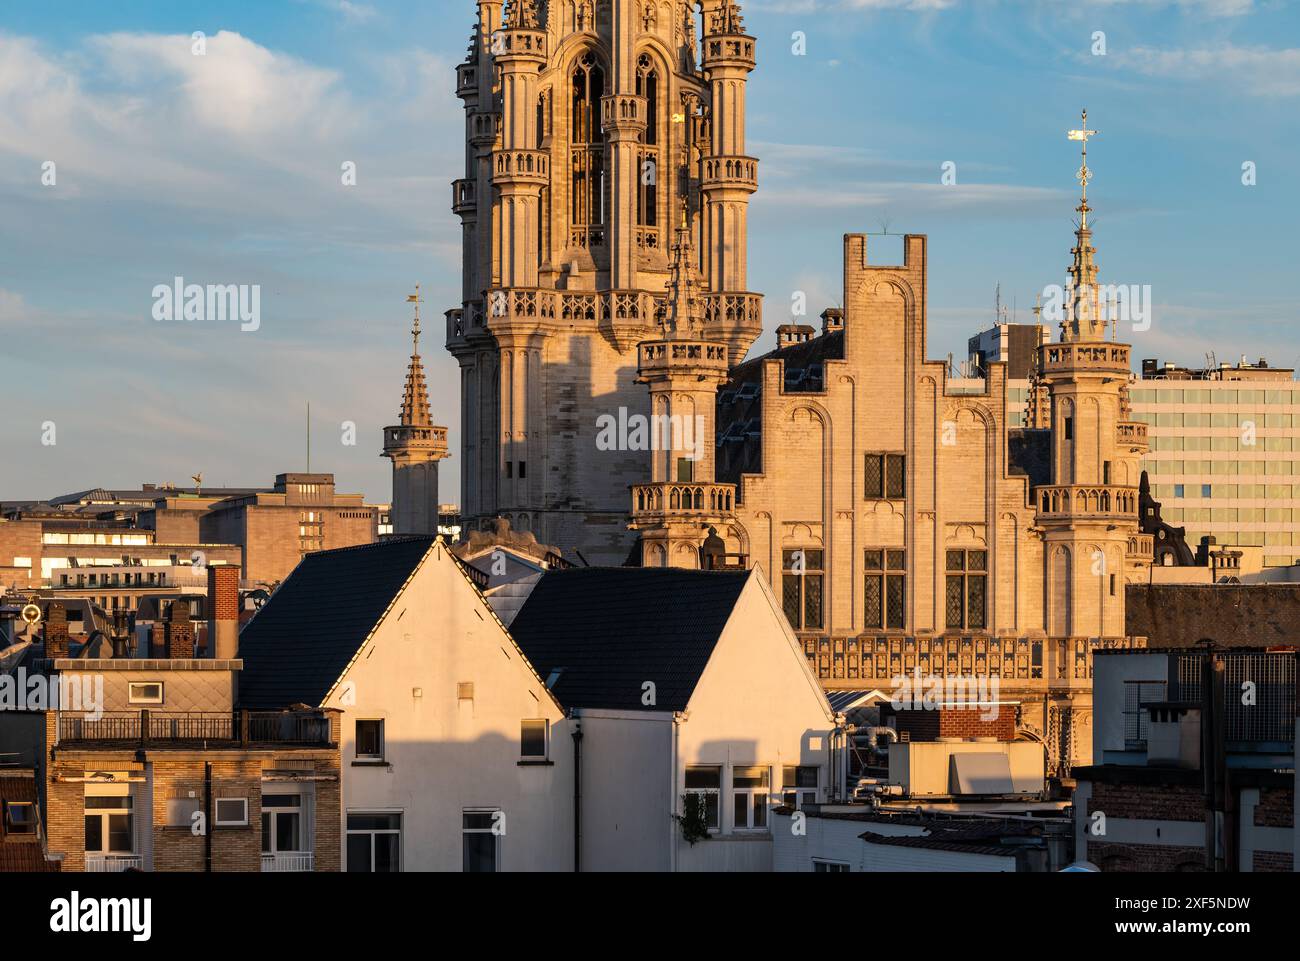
(1160,802)
(957,722)
(1275,808)
(1272,861)
(179,775)
(1119,858)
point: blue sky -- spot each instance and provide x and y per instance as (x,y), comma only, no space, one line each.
(225,169)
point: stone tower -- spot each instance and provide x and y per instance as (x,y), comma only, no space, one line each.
(1090,510)
(683,369)
(415,445)
(589,123)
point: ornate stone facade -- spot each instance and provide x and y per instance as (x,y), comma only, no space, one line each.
(589,126)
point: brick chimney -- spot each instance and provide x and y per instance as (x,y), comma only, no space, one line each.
(56,630)
(223,611)
(178,631)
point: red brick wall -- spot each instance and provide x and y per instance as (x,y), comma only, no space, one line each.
(922,725)
(1275,808)
(1157,802)
(1119,858)
(1270,861)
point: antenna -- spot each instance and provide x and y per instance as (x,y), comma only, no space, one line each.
(308,437)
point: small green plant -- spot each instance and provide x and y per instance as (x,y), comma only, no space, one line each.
(694,819)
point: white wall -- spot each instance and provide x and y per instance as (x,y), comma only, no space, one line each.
(447,754)
(924,767)
(828,839)
(1109,672)
(757,704)
(887,857)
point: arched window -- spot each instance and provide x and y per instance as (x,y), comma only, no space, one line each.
(647,195)
(587,154)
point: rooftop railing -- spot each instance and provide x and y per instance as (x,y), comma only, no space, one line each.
(218,728)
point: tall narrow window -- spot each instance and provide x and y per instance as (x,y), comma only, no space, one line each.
(587,154)
(749,793)
(884,477)
(705,783)
(885,574)
(647,196)
(801,588)
(967,585)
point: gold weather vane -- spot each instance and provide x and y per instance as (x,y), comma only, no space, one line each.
(415,328)
(1084,175)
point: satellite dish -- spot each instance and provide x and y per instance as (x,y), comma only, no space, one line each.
(31,614)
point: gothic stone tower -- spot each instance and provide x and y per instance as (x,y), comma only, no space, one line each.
(415,445)
(1089,512)
(683,370)
(588,124)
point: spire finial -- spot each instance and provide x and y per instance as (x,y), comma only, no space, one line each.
(681,318)
(1084,175)
(415,326)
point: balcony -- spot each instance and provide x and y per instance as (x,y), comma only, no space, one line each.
(521,166)
(734,171)
(682,501)
(288,861)
(1085,358)
(464,197)
(1132,434)
(685,356)
(113,863)
(1141,548)
(1087,503)
(121,729)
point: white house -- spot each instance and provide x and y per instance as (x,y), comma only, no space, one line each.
(454,754)
(680,682)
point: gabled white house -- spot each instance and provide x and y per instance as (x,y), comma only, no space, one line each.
(454,754)
(680,682)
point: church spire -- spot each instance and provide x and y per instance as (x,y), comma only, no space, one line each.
(415,396)
(1082,319)
(684,315)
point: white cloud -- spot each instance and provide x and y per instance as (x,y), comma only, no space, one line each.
(1258,70)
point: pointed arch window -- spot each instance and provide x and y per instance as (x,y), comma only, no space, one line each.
(587,154)
(648,160)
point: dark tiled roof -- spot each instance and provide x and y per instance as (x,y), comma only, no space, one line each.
(612,629)
(26,856)
(301,640)
(939,844)
(740,400)
(1029,454)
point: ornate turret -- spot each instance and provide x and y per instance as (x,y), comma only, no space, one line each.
(415,445)
(1089,512)
(683,370)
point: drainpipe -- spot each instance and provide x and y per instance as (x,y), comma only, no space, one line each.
(207,817)
(678,719)
(577,791)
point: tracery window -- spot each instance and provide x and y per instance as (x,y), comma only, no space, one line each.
(587,154)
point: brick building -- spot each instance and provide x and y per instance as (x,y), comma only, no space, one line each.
(1194,762)
(149,763)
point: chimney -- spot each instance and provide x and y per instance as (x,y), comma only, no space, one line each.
(223,611)
(56,630)
(178,632)
(832,320)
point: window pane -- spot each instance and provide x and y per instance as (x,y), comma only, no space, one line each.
(749,777)
(874,560)
(477,820)
(703,777)
(873,598)
(266,834)
(812,601)
(956,560)
(532,739)
(976,560)
(894,476)
(897,560)
(953,604)
(286,831)
(760,810)
(975,601)
(741,808)
(895,601)
(813,560)
(388,852)
(479,853)
(374,822)
(358,852)
(790,596)
(94,832)
(875,477)
(286,801)
(369,739)
(711,810)
(119,832)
